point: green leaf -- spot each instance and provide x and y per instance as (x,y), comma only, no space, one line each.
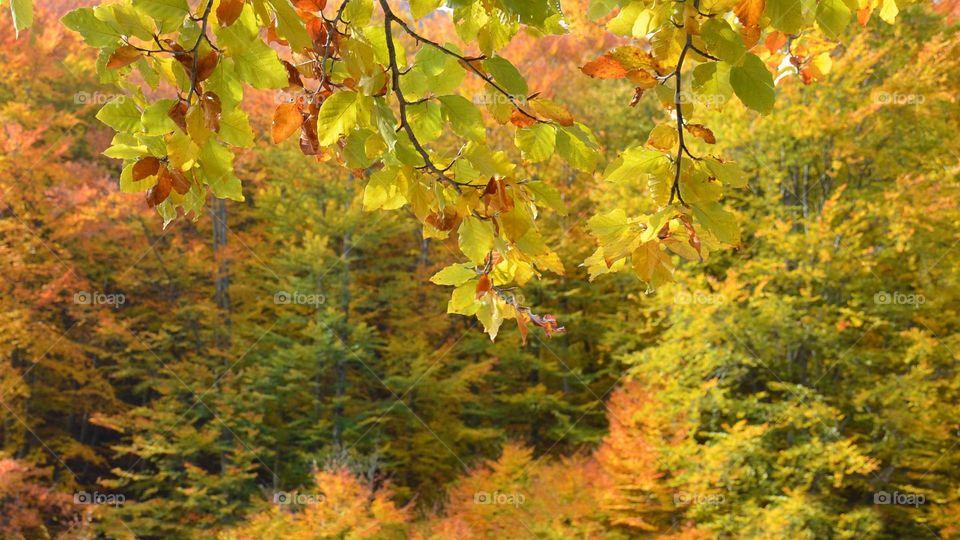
(419,8)
(94,32)
(120,114)
(718,221)
(536,142)
(426,121)
(753,84)
(833,16)
(600,8)
(455,274)
(254,61)
(337,116)
(711,84)
(549,196)
(383,192)
(290,26)
(634,165)
(507,76)
(235,129)
(22,11)
(727,172)
(156,118)
(576,146)
(787,16)
(722,41)
(169,13)
(476,239)
(216,162)
(463,300)
(464,116)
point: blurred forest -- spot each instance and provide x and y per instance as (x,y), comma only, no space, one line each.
(283,368)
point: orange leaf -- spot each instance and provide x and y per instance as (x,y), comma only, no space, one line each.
(147,166)
(124,56)
(605,67)
(310,5)
(522,319)
(775,41)
(749,12)
(287,119)
(484,285)
(228,11)
(702,132)
(519,119)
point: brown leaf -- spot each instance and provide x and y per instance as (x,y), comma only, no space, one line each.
(287,119)
(124,56)
(179,180)
(484,285)
(447,221)
(702,132)
(178,113)
(228,11)
(293,76)
(210,103)
(519,119)
(637,94)
(145,167)
(161,190)
(309,141)
(605,67)
(548,323)
(206,65)
(694,238)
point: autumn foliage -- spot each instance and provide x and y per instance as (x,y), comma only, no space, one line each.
(724,235)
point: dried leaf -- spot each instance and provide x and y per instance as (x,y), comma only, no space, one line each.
(701,132)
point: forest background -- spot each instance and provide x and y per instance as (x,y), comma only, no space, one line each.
(283,367)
